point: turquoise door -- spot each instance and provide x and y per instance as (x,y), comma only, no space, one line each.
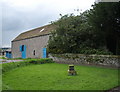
(44,53)
(23,51)
(8,54)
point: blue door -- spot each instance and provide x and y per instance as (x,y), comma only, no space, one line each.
(44,53)
(23,51)
(8,54)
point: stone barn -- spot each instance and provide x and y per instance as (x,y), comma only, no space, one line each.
(32,44)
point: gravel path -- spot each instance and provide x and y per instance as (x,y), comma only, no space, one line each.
(8,61)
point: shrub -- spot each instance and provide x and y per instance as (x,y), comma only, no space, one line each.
(94,51)
(12,65)
(2,57)
(41,61)
(9,66)
(16,58)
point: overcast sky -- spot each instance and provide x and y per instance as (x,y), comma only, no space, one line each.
(18,16)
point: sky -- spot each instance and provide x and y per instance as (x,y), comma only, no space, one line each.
(17,16)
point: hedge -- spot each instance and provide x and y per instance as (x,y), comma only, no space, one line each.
(12,65)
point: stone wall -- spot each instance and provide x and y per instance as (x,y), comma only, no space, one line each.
(103,60)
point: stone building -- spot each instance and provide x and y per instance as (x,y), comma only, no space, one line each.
(32,44)
(5,52)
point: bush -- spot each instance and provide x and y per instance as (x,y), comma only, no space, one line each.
(15,58)
(12,65)
(41,61)
(95,51)
(2,57)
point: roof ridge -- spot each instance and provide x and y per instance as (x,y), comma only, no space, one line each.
(35,32)
(36,28)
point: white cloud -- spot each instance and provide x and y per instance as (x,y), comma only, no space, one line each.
(50,4)
(22,15)
(22,3)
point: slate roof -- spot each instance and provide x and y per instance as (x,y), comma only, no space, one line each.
(44,30)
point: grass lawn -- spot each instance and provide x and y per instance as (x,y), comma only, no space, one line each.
(54,76)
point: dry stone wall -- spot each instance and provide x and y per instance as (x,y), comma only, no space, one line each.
(104,60)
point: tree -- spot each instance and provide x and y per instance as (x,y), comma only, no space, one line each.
(73,34)
(93,31)
(105,18)
(65,38)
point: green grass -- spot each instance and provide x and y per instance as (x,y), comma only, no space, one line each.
(2,58)
(54,76)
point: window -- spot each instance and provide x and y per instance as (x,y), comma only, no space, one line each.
(22,47)
(34,52)
(3,53)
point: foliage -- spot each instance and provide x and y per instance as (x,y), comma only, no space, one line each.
(97,29)
(71,34)
(2,57)
(12,65)
(41,61)
(54,76)
(94,51)
(105,19)
(16,58)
